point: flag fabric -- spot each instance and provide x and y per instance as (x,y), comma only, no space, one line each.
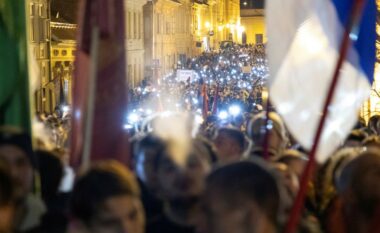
(14,84)
(205,101)
(304,38)
(100,63)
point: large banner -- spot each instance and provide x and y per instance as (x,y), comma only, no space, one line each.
(184,75)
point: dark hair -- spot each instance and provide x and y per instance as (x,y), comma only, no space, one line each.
(199,146)
(6,186)
(51,173)
(104,180)
(235,135)
(149,142)
(362,176)
(248,180)
(15,137)
(357,135)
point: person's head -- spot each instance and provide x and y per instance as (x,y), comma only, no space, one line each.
(51,173)
(289,179)
(16,150)
(358,186)
(145,154)
(7,200)
(106,199)
(242,197)
(372,141)
(187,181)
(230,144)
(355,138)
(374,125)
(295,160)
(258,127)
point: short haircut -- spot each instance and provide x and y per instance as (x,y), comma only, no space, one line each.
(6,186)
(150,145)
(104,180)
(256,128)
(234,134)
(248,180)
(357,135)
(15,137)
(51,173)
(361,176)
(199,146)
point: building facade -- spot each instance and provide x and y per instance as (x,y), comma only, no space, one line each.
(214,21)
(38,21)
(253,20)
(175,30)
(167,36)
(134,41)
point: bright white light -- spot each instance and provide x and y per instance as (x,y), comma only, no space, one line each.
(223,115)
(65,108)
(133,118)
(198,119)
(128,126)
(148,111)
(234,110)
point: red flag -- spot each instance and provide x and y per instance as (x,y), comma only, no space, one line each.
(215,104)
(205,101)
(100,88)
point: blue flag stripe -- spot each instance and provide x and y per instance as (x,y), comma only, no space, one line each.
(366,43)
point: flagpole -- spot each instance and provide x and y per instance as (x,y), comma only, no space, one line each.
(91,99)
(293,220)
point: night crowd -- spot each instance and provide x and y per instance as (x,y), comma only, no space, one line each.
(224,181)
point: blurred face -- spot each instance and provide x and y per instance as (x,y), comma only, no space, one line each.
(183,182)
(145,171)
(6,218)
(223,217)
(289,179)
(228,150)
(120,214)
(20,167)
(297,166)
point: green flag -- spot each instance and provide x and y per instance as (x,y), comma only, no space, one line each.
(14,86)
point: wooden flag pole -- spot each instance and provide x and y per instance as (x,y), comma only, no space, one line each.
(293,220)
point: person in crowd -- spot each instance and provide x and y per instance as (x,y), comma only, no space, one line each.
(295,160)
(146,150)
(16,151)
(181,187)
(277,139)
(230,144)
(355,138)
(106,199)
(359,189)
(7,200)
(329,208)
(289,179)
(51,174)
(374,125)
(371,141)
(242,197)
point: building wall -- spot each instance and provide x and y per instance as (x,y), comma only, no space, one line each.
(167,35)
(214,21)
(254,25)
(62,67)
(134,41)
(38,21)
